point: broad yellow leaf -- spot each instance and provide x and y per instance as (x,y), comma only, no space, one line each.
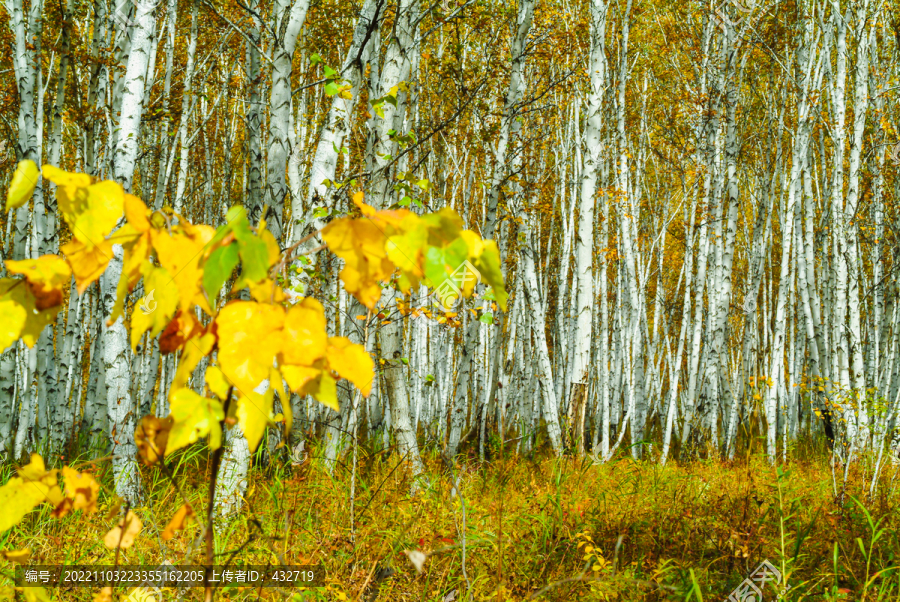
(180,255)
(123,534)
(22,185)
(361,244)
(352,362)
(88,262)
(91,211)
(324,389)
(305,333)
(136,213)
(194,417)
(33,485)
(250,336)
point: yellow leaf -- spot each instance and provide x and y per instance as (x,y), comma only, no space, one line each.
(136,213)
(254,414)
(17,556)
(34,594)
(13,311)
(21,493)
(298,376)
(194,349)
(182,517)
(305,333)
(123,534)
(216,382)
(82,489)
(352,362)
(88,261)
(194,417)
(324,389)
(361,244)
(151,437)
(91,211)
(250,337)
(22,185)
(179,254)
(104,595)
(47,276)
(21,317)
(158,305)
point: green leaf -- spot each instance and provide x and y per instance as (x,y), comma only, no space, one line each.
(329,72)
(487,318)
(218,269)
(315,59)
(254,259)
(331,89)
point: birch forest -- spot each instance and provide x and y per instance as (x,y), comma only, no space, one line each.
(452,300)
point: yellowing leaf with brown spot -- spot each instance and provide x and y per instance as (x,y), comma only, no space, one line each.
(305,333)
(194,417)
(22,185)
(15,293)
(88,262)
(82,489)
(151,437)
(361,244)
(123,534)
(250,337)
(352,362)
(47,277)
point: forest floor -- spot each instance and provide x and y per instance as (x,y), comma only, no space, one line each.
(536,528)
